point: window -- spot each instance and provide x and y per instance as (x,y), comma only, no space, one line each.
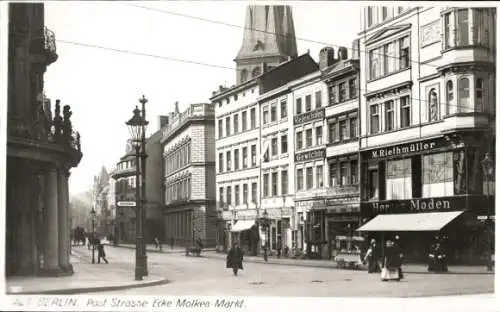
(352,88)
(433,106)
(384,13)
(299,140)
(235,124)
(274,146)
(370,16)
(236,97)
(437,175)
(404,103)
(236,159)
(244,121)
(389,115)
(400,9)
(284,144)
(354,172)
(308,103)
(342,92)
(319,176)
(374,119)
(298,106)
(398,179)
(252,118)
(245,193)
(333,94)
(479,95)
(374,60)
(300,179)
(244,151)
(284,182)
(463,94)
(236,194)
(283,109)
(447,31)
(221,162)
(390,58)
(274,113)
(221,196)
(254,155)
(274,184)
(343,173)
(319,135)
(309,137)
(228,160)
(228,126)
(373,185)
(220,128)
(228,195)
(309,178)
(404,52)
(353,127)
(265,115)
(317,97)
(254,192)
(265,184)
(463,27)
(343,130)
(332,131)
(449,95)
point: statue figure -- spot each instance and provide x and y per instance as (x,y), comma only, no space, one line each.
(57,122)
(177,108)
(433,106)
(67,128)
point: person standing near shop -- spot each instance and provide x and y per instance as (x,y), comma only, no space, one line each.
(373,257)
(399,251)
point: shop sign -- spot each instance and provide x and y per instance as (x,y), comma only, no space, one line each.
(303,118)
(414,205)
(314,204)
(406,149)
(311,155)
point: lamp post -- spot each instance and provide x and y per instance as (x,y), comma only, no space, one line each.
(137,126)
(487,164)
(92,237)
(265,223)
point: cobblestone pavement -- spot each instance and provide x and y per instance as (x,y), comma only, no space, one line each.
(208,276)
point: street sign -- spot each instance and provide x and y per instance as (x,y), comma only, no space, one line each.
(126,203)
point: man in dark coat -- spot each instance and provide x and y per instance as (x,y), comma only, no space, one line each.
(399,251)
(234,259)
(100,252)
(373,257)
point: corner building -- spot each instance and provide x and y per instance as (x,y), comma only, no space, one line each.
(428,115)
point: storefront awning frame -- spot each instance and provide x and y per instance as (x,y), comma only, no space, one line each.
(242,225)
(410,222)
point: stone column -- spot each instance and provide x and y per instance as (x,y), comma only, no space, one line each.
(51,225)
(62,209)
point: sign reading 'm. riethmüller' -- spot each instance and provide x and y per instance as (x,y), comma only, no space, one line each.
(406,149)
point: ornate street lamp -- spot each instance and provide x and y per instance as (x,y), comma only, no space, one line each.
(92,237)
(137,127)
(488,171)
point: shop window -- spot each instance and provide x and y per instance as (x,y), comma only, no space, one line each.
(479,95)
(463,94)
(449,96)
(299,140)
(236,195)
(274,184)
(319,176)
(283,109)
(333,174)
(373,191)
(437,175)
(317,97)
(308,103)
(398,179)
(284,182)
(319,135)
(298,106)
(284,144)
(265,184)
(389,115)
(309,178)
(433,106)
(404,53)
(374,119)
(300,179)
(236,159)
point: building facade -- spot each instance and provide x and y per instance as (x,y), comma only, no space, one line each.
(188,172)
(427,121)
(41,149)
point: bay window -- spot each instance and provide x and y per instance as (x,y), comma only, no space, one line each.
(373,184)
(449,97)
(463,27)
(437,174)
(463,94)
(448,26)
(398,179)
(479,95)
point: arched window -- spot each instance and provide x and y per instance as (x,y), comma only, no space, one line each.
(479,95)
(449,96)
(243,75)
(433,106)
(463,94)
(256,72)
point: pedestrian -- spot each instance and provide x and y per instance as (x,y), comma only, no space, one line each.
(157,242)
(100,252)
(373,257)
(278,249)
(172,242)
(391,263)
(234,259)
(265,251)
(399,251)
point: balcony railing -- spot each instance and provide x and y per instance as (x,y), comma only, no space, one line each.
(194,111)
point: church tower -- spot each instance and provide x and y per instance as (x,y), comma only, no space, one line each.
(268,40)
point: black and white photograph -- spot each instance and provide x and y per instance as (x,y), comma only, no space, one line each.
(248,156)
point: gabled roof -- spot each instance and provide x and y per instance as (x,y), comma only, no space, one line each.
(387,32)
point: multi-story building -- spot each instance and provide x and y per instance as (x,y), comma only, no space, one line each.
(100,192)
(41,149)
(427,120)
(189,174)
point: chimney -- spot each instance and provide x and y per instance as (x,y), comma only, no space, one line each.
(342,53)
(162,121)
(355,49)
(326,57)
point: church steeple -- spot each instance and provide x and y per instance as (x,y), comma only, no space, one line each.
(268,40)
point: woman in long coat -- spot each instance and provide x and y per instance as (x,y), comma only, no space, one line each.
(234,259)
(392,263)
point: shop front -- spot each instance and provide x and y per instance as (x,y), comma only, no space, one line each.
(423,190)
(313,212)
(342,220)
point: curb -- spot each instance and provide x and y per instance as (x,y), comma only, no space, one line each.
(73,291)
(156,251)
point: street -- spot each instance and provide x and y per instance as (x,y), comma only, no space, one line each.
(208,277)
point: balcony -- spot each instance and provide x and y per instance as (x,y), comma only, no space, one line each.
(123,172)
(195,111)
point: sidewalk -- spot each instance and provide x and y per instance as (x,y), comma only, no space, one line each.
(152,248)
(86,278)
(407,268)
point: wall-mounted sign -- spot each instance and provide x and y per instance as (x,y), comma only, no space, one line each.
(406,149)
(311,155)
(306,117)
(430,33)
(315,204)
(126,203)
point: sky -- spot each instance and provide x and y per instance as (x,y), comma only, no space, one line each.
(102,86)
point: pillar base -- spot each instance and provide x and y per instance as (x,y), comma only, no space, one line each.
(50,272)
(67,269)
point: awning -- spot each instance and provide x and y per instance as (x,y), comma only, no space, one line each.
(242,225)
(432,221)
